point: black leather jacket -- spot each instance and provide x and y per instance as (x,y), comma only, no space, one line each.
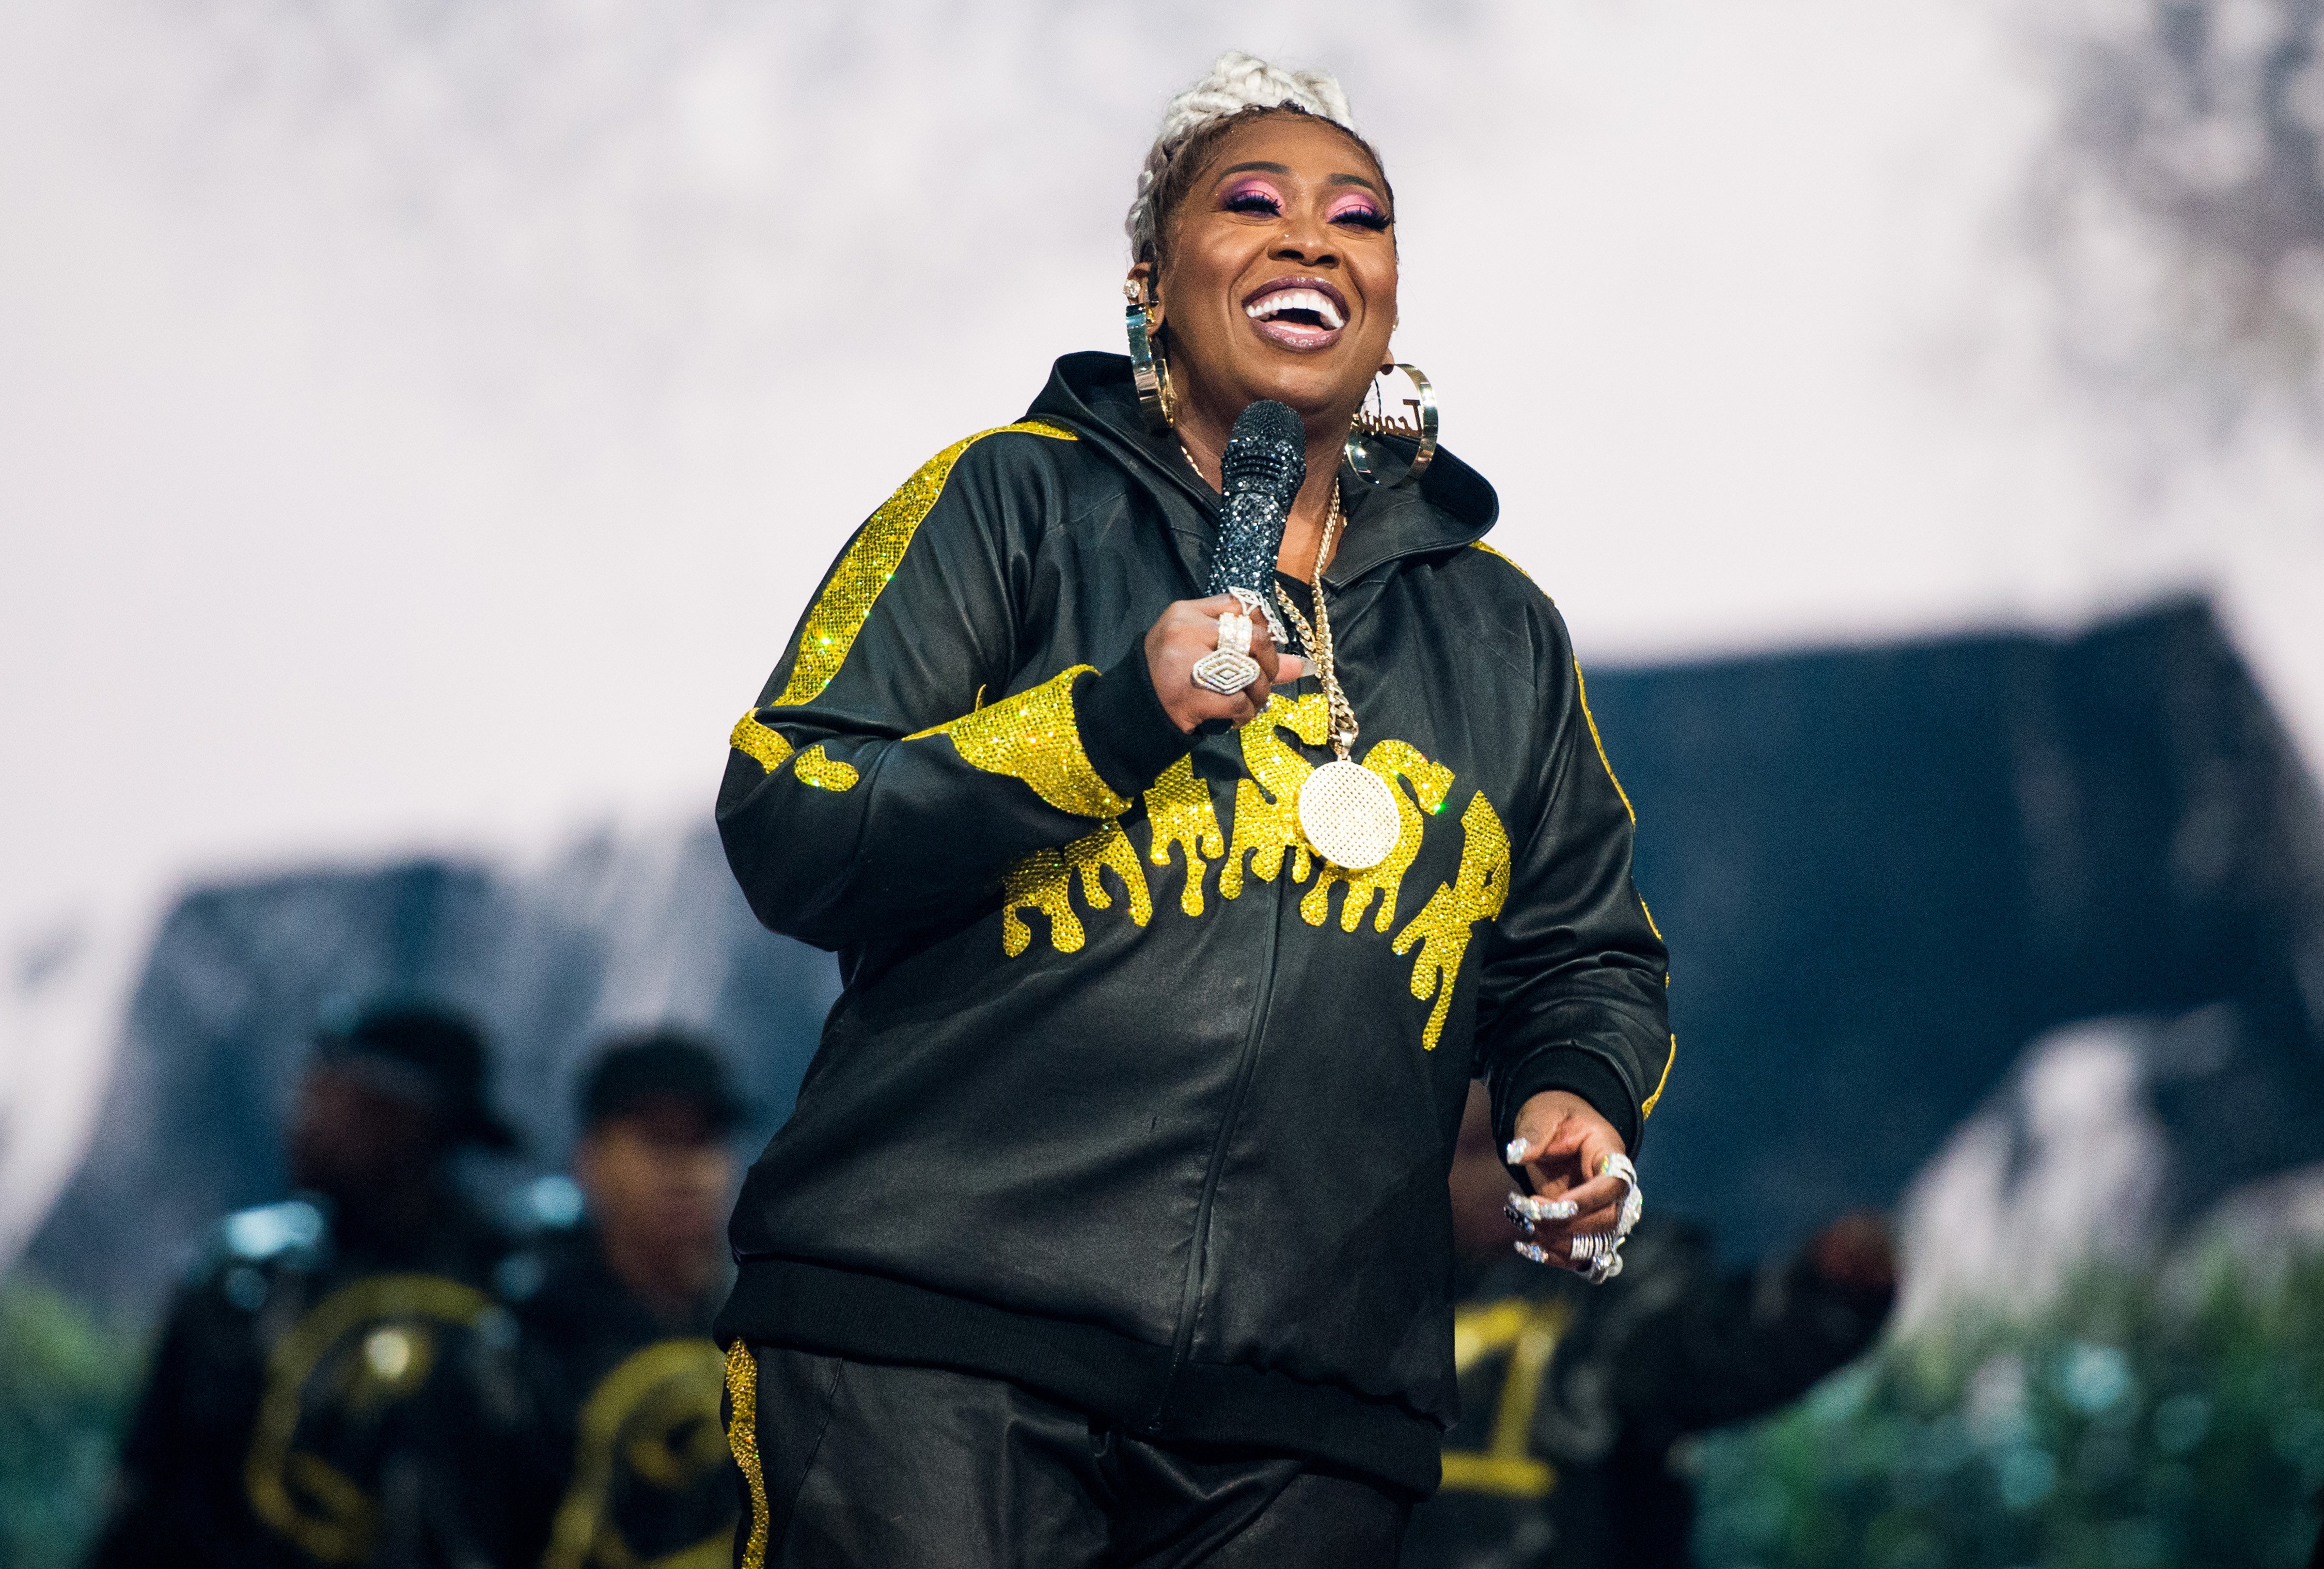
(1122,1100)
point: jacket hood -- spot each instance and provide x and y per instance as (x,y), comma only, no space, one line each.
(1452,504)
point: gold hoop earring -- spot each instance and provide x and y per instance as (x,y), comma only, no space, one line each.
(1147,368)
(1367,448)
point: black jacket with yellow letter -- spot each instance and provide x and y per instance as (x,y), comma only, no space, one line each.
(1129,1098)
(322,1397)
(627,1463)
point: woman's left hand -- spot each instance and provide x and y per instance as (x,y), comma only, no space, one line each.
(1561,1144)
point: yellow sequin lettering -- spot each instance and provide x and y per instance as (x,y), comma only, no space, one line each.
(1043,881)
(1442,925)
(1267,802)
(815,768)
(1429,781)
(1527,1334)
(1033,737)
(845,602)
(373,1341)
(652,1425)
(1179,812)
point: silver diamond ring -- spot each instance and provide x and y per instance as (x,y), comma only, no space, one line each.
(1225,673)
(1258,604)
(1229,668)
(1600,1253)
(1234,633)
(1633,1199)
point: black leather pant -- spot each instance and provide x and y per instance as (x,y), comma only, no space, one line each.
(866,1466)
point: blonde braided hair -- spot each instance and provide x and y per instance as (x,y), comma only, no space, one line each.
(1237,85)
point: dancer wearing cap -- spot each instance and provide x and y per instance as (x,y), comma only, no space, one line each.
(314,1397)
(1111,1227)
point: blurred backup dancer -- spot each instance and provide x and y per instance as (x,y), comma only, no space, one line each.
(615,1319)
(1111,1227)
(1571,1400)
(333,1387)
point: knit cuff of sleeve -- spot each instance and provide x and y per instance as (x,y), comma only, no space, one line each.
(1130,737)
(1578,1072)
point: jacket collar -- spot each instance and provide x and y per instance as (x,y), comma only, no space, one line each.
(1452,506)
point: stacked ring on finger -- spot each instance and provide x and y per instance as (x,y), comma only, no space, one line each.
(1229,668)
(1235,632)
(1633,1199)
(1256,604)
(1600,1253)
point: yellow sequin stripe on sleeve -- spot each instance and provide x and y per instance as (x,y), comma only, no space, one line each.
(846,601)
(1502,555)
(743,1438)
(1581,690)
(1648,1109)
(1033,737)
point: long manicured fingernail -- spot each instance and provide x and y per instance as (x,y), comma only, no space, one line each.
(1543,1209)
(1519,1148)
(1524,1222)
(1530,1250)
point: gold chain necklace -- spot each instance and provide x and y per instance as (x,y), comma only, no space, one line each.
(1348,812)
(1187,453)
(1318,637)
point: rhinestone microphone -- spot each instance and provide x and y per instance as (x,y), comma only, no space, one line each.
(1265,461)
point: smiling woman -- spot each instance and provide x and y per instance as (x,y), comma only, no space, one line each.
(1280,246)
(1111,1225)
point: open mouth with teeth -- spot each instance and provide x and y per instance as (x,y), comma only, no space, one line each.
(1298,313)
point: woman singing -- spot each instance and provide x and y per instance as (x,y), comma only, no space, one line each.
(1112,1226)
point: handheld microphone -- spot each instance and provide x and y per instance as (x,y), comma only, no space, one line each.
(1264,464)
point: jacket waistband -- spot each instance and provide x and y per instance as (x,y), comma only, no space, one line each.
(846,1312)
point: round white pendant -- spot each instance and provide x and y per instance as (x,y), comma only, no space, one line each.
(1348,814)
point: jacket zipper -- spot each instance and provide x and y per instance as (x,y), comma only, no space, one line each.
(1198,1253)
(1190,1297)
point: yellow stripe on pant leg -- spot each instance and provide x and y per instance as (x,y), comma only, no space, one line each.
(743,1438)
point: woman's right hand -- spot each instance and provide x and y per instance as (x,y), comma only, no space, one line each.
(1187,630)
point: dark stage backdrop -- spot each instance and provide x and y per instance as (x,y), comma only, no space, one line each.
(1881,871)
